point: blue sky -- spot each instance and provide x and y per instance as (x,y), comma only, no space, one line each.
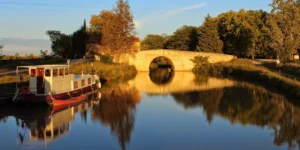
(30,19)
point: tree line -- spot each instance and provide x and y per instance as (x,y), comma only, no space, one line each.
(111,32)
(69,46)
(245,34)
(17,56)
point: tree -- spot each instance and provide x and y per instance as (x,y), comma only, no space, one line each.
(61,43)
(209,40)
(1,47)
(44,53)
(185,38)
(243,33)
(284,25)
(17,55)
(79,41)
(154,41)
(117,29)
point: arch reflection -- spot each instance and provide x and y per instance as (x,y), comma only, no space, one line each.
(161,70)
(161,76)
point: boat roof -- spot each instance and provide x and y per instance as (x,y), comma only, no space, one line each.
(45,66)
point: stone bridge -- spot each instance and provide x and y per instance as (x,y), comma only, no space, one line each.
(182,60)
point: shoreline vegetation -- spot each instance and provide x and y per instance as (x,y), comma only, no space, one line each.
(108,72)
(246,69)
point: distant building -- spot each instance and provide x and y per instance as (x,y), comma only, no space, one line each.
(137,44)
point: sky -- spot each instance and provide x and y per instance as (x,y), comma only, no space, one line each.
(23,23)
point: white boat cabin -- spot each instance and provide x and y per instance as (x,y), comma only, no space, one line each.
(55,79)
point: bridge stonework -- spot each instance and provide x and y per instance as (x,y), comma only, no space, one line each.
(182,60)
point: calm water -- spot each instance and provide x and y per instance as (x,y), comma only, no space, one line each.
(176,111)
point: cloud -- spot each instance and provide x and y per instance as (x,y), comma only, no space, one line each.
(167,14)
(137,23)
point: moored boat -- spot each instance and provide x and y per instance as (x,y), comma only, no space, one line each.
(53,85)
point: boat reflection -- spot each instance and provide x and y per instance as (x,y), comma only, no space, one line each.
(117,111)
(43,125)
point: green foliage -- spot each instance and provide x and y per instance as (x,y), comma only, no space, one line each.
(284,28)
(185,38)
(209,40)
(243,33)
(69,46)
(61,43)
(153,41)
(200,60)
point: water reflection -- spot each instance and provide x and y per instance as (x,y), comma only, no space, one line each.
(181,82)
(248,104)
(162,121)
(117,110)
(43,125)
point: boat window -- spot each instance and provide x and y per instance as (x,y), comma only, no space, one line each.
(33,72)
(55,72)
(75,84)
(82,83)
(89,81)
(48,73)
(67,71)
(61,72)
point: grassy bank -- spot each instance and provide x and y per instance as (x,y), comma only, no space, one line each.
(108,72)
(246,69)
(292,69)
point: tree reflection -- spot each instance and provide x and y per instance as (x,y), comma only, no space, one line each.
(117,111)
(248,104)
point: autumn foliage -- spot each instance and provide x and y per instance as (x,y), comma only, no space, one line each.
(116,28)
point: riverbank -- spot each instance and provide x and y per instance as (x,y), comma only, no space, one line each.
(108,72)
(246,69)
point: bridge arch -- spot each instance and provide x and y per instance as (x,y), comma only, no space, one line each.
(182,60)
(161,61)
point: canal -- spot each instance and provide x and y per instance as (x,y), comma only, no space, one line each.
(167,110)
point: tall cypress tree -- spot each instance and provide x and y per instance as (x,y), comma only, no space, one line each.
(79,41)
(209,40)
(125,28)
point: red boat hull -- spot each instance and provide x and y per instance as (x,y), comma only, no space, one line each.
(63,99)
